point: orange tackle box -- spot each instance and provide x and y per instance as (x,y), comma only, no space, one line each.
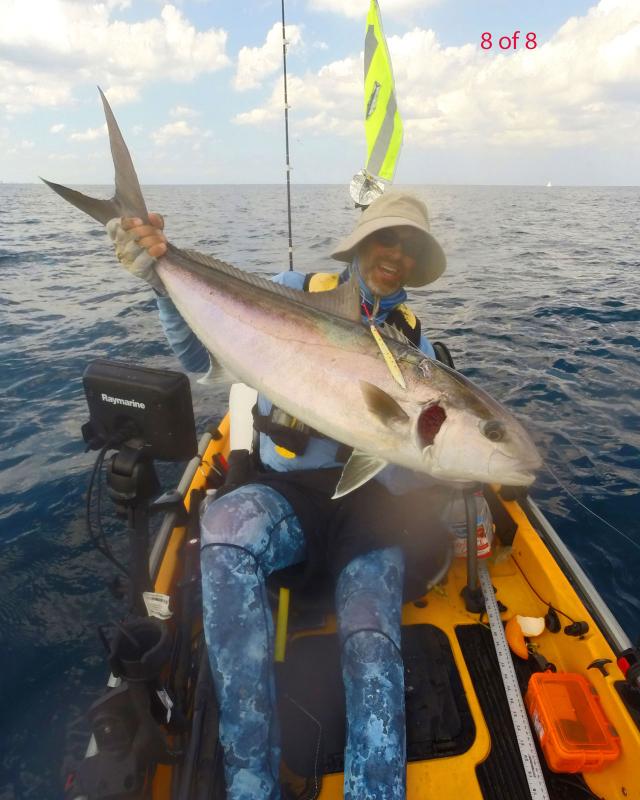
(573,731)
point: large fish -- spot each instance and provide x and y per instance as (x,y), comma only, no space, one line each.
(310,354)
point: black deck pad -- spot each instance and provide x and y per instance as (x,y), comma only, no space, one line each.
(502,776)
(312,710)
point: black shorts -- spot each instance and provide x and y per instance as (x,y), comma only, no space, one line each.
(369,518)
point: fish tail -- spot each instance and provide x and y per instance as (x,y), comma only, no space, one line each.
(128,200)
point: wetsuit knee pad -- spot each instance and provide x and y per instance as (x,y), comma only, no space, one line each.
(240,518)
(370,647)
(369,595)
(365,614)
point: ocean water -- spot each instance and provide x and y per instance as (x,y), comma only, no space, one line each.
(540,305)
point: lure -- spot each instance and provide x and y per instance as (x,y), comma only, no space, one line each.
(390,361)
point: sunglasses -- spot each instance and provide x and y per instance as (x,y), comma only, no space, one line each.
(412,244)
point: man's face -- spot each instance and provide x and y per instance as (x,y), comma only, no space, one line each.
(387,257)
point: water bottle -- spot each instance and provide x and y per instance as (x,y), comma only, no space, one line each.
(455,516)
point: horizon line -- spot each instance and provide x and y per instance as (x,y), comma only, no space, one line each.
(459,185)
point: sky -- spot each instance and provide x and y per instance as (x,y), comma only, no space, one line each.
(196,86)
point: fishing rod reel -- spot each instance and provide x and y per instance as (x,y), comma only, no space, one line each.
(144,415)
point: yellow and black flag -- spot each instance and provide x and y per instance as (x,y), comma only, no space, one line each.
(382,121)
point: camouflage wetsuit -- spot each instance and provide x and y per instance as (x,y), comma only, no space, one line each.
(246,535)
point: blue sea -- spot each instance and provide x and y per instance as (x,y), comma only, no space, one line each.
(540,305)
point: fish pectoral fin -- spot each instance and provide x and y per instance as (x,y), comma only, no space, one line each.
(216,374)
(360,468)
(382,405)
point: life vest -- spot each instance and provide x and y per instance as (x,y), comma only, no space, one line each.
(288,434)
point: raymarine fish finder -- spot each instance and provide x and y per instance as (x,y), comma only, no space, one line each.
(133,402)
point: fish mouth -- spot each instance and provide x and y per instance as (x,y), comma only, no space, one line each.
(512,470)
(519,479)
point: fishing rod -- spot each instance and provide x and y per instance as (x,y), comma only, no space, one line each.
(286,135)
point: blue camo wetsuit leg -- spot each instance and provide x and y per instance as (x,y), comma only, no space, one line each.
(369,608)
(246,535)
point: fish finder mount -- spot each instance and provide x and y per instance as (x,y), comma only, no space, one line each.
(132,483)
(144,415)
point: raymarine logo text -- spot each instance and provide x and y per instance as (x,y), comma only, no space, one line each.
(120,401)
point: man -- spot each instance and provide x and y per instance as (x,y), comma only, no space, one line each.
(284,516)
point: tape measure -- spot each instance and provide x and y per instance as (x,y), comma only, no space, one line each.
(528,752)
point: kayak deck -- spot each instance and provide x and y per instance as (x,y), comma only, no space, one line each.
(487,764)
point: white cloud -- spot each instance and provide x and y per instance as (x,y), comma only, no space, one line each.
(172,131)
(21,88)
(120,94)
(257,63)
(579,87)
(358,8)
(49,46)
(57,128)
(183,111)
(90,135)
(19,148)
(255,117)
(574,89)
(180,130)
(334,91)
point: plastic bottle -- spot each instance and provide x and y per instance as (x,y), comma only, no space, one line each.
(455,516)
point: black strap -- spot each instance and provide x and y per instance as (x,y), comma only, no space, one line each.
(294,439)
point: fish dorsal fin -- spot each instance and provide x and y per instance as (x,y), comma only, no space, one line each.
(343,302)
(360,468)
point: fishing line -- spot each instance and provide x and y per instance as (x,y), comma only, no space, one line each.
(582,505)
(586,508)
(540,598)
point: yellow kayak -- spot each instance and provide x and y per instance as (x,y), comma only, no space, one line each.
(461,741)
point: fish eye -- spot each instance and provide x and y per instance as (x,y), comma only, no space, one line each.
(494,430)
(429,423)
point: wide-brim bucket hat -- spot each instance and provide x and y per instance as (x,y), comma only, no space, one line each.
(398,208)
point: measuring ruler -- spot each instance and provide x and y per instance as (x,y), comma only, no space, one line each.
(528,752)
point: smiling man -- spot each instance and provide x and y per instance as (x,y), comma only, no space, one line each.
(390,248)
(368,544)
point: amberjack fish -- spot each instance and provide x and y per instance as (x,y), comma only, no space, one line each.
(310,354)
